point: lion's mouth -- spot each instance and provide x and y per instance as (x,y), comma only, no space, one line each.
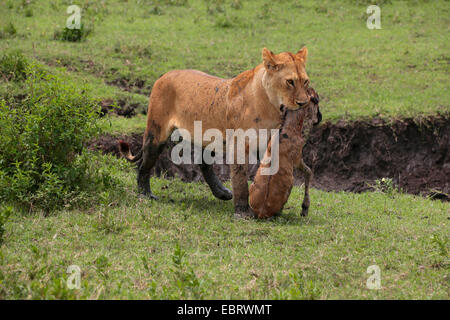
(284,108)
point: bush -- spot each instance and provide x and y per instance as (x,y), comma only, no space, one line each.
(385,185)
(28,12)
(72,35)
(236,4)
(13,66)
(8,31)
(41,159)
(156,10)
(215,6)
(223,21)
(298,288)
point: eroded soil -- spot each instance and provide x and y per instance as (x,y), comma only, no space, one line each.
(350,156)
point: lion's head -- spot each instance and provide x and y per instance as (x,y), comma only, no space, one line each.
(285,79)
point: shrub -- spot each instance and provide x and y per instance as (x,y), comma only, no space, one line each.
(441,244)
(28,12)
(215,6)
(385,185)
(156,10)
(13,66)
(188,285)
(41,159)
(236,4)
(9,31)
(37,280)
(223,21)
(72,35)
(299,288)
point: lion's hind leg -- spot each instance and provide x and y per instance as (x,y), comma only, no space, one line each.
(151,151)
(155,138)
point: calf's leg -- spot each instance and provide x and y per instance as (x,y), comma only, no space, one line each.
(308,176)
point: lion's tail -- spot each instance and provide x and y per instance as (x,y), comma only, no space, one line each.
(124,149)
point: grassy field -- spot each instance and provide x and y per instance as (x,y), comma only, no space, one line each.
(188,245)
(399,71)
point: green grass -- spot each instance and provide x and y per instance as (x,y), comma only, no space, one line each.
(188,245)
(398,71)
(117,125)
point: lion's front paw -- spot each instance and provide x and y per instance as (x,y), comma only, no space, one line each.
(223,194)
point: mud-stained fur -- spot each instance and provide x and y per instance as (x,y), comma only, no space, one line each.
(269,193)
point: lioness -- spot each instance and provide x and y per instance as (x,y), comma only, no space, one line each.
(253,99)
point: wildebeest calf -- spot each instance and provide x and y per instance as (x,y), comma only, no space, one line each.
(269,193)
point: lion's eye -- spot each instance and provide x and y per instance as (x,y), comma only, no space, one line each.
(290,82)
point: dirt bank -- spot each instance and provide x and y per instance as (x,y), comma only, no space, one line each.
(121,107)
(350,156)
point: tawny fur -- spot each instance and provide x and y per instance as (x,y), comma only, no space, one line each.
(251,100)
(269,193)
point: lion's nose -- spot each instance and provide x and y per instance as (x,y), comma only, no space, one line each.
(301,103)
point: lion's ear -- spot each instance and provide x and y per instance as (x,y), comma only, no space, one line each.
(302,54)
(269,59)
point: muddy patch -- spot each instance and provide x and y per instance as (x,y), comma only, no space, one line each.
(350,156)
(121,107)
(110,75)
(131,85)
